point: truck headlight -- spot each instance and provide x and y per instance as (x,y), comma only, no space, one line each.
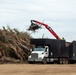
(29,56)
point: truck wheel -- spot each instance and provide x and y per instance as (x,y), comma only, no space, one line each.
(65,61)
(44,61)
(61,61)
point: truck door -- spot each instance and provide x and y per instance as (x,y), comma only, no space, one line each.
(46,51)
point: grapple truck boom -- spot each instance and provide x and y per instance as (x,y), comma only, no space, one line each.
(36,25)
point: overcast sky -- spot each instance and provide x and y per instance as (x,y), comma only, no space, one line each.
(58,14)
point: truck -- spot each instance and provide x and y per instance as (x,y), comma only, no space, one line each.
(47,50)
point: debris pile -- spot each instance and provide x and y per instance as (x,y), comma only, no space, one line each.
(14,45)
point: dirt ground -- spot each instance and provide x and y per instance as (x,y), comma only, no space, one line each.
(37,69)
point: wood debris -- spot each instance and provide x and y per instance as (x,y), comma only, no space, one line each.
(14,44)
(33,27)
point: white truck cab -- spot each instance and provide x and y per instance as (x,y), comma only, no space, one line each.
(39,54)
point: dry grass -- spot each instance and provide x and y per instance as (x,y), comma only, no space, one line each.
(37,69)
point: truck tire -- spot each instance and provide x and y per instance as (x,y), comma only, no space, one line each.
(65,61)
(44,61)
(61,60)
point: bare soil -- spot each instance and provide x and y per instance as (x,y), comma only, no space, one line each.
(37,69)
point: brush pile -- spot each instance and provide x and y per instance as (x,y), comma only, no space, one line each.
(14,45)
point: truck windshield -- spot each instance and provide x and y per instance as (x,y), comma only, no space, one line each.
(39,48)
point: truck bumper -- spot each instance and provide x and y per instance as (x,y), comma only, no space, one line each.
(34,60)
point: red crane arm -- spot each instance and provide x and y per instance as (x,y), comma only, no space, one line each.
(49,28)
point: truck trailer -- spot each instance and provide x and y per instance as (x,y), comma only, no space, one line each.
(72,52)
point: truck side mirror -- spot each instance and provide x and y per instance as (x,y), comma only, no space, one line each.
(46,50)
